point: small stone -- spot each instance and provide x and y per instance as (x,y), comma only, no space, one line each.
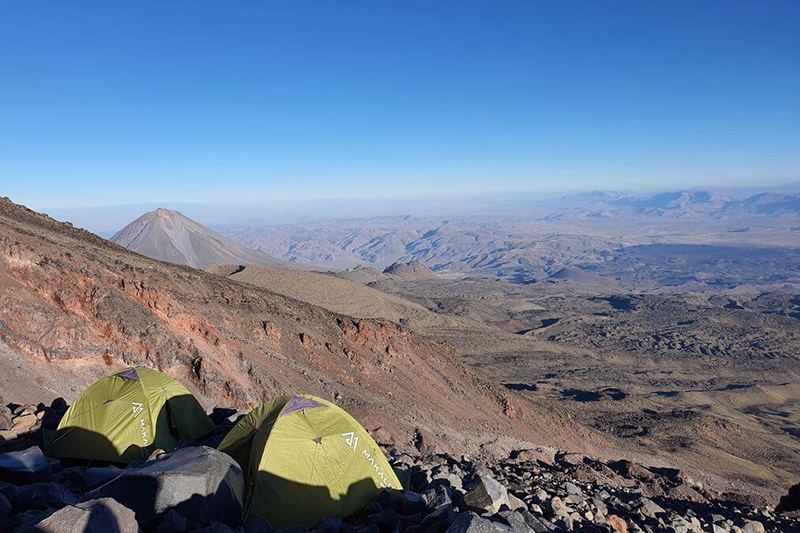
(618,524)
(515,503)
(156,454)
(22,424)
(557,506)
(600,507)
(24,410)
(454,481)
(649,508)
(572,488)
(751,526)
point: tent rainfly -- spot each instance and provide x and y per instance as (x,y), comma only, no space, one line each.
(127,415)
(305,458)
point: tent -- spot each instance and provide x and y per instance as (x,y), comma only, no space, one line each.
(305,458)
(127,415)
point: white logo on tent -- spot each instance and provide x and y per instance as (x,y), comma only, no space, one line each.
(351,440)
(138,409)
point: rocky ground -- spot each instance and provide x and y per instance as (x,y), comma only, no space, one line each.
(537,490)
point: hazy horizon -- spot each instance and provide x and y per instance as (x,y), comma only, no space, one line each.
(108,219)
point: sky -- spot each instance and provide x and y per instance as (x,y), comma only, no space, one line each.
(151,102)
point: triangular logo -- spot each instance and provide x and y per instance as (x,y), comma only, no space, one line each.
(137,408)
(348,437)
(351,440)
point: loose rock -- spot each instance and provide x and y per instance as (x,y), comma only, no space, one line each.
(487,495)
(199,483)
(94,516)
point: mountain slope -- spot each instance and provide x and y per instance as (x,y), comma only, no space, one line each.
(169,236)
(335,294)
(74,307)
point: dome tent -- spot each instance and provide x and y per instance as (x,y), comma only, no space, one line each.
(305,458)
(127,415)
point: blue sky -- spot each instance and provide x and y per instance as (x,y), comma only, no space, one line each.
(113,102)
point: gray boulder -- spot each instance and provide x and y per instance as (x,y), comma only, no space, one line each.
(437,495)
(94,516)
(649,508)
(200,483)
(752,526)
(538,523)
(487,495)
(403,501)
(470,522)
(440,519)
(24,466)
(516,521)
(572,488)
(46,495)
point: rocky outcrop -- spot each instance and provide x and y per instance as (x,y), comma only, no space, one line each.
(411,271)
(541,490)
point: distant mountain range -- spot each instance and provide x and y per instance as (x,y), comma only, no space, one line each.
(691,204)
(582,230)
(529,244)
(169,236)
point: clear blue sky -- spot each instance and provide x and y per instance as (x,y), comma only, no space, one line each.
(109,102)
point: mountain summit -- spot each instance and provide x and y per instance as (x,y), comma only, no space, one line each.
(170,236)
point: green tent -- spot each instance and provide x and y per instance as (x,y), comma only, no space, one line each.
(127,415)
(303,459)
